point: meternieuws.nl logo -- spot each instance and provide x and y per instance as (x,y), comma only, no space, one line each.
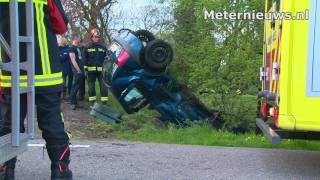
(255,15)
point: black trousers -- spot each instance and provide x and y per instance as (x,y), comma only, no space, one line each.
(70,81)
(49,117)
(64,76)
(76,86)
(82,89)
(92,77)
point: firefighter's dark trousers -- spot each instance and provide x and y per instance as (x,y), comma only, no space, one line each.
(76,86)
(49,117)
(92,77)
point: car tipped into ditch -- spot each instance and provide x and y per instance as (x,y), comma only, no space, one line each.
(135,70)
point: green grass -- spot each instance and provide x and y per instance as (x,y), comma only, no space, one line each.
(209,137)
(144,127)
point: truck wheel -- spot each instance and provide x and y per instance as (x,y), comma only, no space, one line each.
(144,36)
(158,54)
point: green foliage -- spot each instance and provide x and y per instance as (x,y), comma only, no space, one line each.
(215,53)
(222,56)
(238,111)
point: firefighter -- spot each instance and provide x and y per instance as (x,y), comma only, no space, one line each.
(93,55)
(77,69)
(49,20)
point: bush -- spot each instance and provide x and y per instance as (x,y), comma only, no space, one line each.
(238,111)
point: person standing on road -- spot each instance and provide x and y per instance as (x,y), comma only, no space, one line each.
(49,20)
(77,69)
(93,55)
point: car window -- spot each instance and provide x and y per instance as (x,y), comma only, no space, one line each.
(134,98)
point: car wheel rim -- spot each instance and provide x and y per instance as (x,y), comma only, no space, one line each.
(159,55)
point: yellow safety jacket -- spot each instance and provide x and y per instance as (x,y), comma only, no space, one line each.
(49,19)
(93,57)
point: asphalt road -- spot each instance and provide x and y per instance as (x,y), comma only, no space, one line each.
(126,160)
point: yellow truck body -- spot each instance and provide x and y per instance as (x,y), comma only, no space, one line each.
(291,67)
(300,76)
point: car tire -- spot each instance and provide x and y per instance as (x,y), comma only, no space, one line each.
(145,36)
(126,29)
(157,55)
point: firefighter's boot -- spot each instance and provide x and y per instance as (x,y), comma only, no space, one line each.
(8,169)
(60,159)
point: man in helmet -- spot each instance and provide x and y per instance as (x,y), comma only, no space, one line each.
(49,20)
(93,56)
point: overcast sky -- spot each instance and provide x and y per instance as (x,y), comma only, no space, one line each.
(125,10)
(127,6)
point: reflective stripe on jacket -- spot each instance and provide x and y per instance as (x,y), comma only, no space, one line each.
(49,19)
(93,57)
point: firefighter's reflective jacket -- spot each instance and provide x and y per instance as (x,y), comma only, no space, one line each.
(93,57)
(49,20)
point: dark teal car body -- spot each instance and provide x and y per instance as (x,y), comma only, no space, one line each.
(136,85)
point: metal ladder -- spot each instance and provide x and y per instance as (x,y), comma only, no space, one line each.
(15,143)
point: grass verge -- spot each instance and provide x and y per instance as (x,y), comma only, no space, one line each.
(143,127)
(199,135)
(153,131)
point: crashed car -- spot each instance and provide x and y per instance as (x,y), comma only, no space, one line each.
(135,70)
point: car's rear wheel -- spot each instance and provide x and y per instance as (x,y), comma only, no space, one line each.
(145,36)
(157,55)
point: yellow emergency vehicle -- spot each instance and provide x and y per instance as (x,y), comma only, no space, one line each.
(290,75)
